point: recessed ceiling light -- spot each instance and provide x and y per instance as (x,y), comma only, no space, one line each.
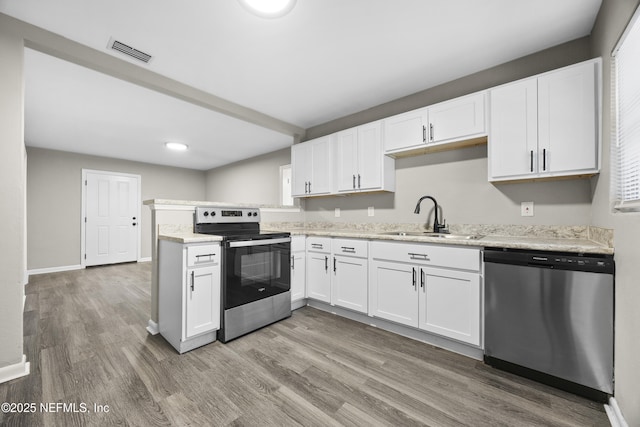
(268,8)
(176,146)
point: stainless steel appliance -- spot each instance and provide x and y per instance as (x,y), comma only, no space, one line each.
(549,316)
(256,278)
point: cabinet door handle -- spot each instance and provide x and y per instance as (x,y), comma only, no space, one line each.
(193,281)
(293,262)
(531,160)
(354,181)
(309,187)
(422,280)
(544,159)
(358,180)
(430,131)
(414,277)
(424,133)
(334,264)
(326,263)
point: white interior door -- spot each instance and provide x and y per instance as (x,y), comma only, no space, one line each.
(112,218)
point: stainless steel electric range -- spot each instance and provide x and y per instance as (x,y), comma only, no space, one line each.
(256,277)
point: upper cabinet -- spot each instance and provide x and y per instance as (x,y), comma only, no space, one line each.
(546,126)
(311,167)
(360,162)
(450,122)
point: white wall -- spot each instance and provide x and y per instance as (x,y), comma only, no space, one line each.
(54,200)
(12,195)
(612,19)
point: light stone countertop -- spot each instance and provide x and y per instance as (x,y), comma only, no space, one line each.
(562,239)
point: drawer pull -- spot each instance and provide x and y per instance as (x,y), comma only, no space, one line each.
(316,246)
(413,255)
(205,255)
(348,249)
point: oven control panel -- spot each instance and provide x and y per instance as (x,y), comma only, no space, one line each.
(213,215)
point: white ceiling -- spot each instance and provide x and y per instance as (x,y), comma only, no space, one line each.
(325,60)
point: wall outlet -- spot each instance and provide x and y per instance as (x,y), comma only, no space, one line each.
(370,211)
(526,209)
(337,212)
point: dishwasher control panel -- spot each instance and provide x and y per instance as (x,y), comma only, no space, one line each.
(561,260)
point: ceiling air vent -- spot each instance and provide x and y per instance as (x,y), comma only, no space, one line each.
(128,50)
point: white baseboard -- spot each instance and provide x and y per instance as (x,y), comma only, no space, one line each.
(14,371)
(54,269)
(147,259)
(615,415)
(152,328)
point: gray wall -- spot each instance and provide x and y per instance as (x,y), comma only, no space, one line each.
(12,194)
(253,180)
(458,178)
(612,19)
(54,191)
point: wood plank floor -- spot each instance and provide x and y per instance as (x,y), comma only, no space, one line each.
(85,338)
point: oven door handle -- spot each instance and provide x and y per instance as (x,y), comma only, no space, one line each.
(261,242)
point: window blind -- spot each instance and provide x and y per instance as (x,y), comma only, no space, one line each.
(626,119)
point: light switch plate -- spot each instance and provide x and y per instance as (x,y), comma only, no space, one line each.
(526,209)
(370,211)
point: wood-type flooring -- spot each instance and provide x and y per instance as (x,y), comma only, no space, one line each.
(94,364)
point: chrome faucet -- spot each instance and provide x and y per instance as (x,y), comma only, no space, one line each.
(437,227)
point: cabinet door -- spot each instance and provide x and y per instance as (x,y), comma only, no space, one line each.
(457,119)
(298,276)
(370,156)
(349,283)
(318,277)
(320,181)
(347,159)
(567,118)
(513,134)
(450,304)
(202,300)
(407,130)
(300,156)
(393,292)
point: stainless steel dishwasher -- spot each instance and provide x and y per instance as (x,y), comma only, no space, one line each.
(549,317)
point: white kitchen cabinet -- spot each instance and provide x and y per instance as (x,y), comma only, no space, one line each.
(406,131)
(298,268)
(438,125)
(360,161)
(450,303)
(431,287)
(188,293)
(393,292)
(458,119)
(349,282)
(318,268)
(546,126)
(311,167)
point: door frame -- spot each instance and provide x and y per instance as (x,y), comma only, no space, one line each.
(83,213)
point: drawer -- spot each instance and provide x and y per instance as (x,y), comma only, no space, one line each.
(431,255)
(349,247)
(202,254)
(319,244)
(298,243)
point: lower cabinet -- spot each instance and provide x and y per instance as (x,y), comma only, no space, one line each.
(443,301)
(318,272)
(188,293)
(393,292)
(349,281)
(298,269)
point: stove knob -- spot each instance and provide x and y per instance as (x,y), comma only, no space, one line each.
(213,213)
(255,214)
(206,213)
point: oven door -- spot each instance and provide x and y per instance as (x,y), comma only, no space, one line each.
(256,269)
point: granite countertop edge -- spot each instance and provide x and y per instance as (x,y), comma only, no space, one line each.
(511,242)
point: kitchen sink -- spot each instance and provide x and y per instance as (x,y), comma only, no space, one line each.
(431,234)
